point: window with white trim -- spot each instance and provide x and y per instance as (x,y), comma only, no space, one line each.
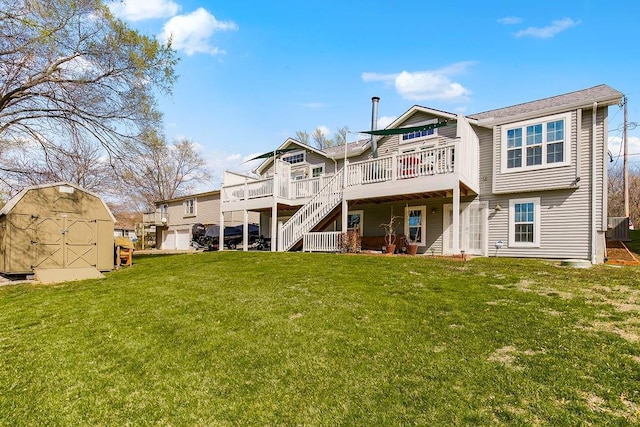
(317,170)
(298,174)
(415,224)
(536,144)
(294,158)
(189,207)
(355,220)
(524,222)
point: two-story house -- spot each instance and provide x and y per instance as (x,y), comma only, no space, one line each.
(528,180)
(175,218)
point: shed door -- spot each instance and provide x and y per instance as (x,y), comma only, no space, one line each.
(80,243)
(65,243)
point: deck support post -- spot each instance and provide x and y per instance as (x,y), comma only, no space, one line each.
(345,215)
(245,230)
(221,231)
(455,222)
(274,213)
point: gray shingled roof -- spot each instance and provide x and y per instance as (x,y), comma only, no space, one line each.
(601,93)
(352,147)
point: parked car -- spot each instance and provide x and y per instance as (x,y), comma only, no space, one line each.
(208,237)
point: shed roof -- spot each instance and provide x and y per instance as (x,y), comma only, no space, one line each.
(16,199)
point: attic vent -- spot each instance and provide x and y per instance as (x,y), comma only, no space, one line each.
(65,189)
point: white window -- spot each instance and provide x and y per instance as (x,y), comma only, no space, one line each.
(317,170)
(298,174)
(410,137)
(524,222)
(294,158)
(535,144)
(190,207)
(355,221)
(415,224)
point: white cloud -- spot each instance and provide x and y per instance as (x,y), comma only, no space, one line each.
(138,10)
(548,31)
(191,32)
(425,85)
(325,130)
(385,121)
(615,148)
(510,20)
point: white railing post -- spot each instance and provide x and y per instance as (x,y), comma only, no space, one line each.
(394,167)
(280,237)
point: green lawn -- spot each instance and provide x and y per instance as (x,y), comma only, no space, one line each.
(238,338)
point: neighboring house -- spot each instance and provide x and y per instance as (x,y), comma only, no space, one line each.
(528,180)
(174,219)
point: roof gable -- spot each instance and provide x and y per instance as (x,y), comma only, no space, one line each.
(288,143)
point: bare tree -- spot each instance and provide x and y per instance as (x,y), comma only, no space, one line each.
(160,171)
(340,137)
(615,200)
(69,69)
(321,140)
(79,162)
(302,136)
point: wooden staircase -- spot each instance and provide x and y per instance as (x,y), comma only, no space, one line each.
(311,214)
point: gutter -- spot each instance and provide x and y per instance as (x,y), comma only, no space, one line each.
(594,114)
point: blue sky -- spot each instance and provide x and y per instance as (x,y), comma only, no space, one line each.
(252,73)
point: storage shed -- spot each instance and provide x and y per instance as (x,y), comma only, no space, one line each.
(57,226)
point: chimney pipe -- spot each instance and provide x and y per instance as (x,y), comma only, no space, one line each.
(374,125)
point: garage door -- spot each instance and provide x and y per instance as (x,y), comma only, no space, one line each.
(183,239)
(168,240)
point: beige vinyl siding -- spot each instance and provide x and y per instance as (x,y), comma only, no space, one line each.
(208,209)
(311,158)
(564,226)
(364,156)
(390,144)
(207,213)
(547,179)
(565,214)
(600,164)
(376,214)
(485,159)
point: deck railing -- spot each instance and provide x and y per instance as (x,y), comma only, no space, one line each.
(325,241)
(287,189)
(311,213)
(304,188)
(155,218)
(248,190)
(432,161)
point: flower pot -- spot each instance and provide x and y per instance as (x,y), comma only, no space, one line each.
(412,249)
(390,249)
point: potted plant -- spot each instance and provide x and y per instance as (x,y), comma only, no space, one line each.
(412,243)
(390,233)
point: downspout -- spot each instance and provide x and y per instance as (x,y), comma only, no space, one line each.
(594,114)
(374,125)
